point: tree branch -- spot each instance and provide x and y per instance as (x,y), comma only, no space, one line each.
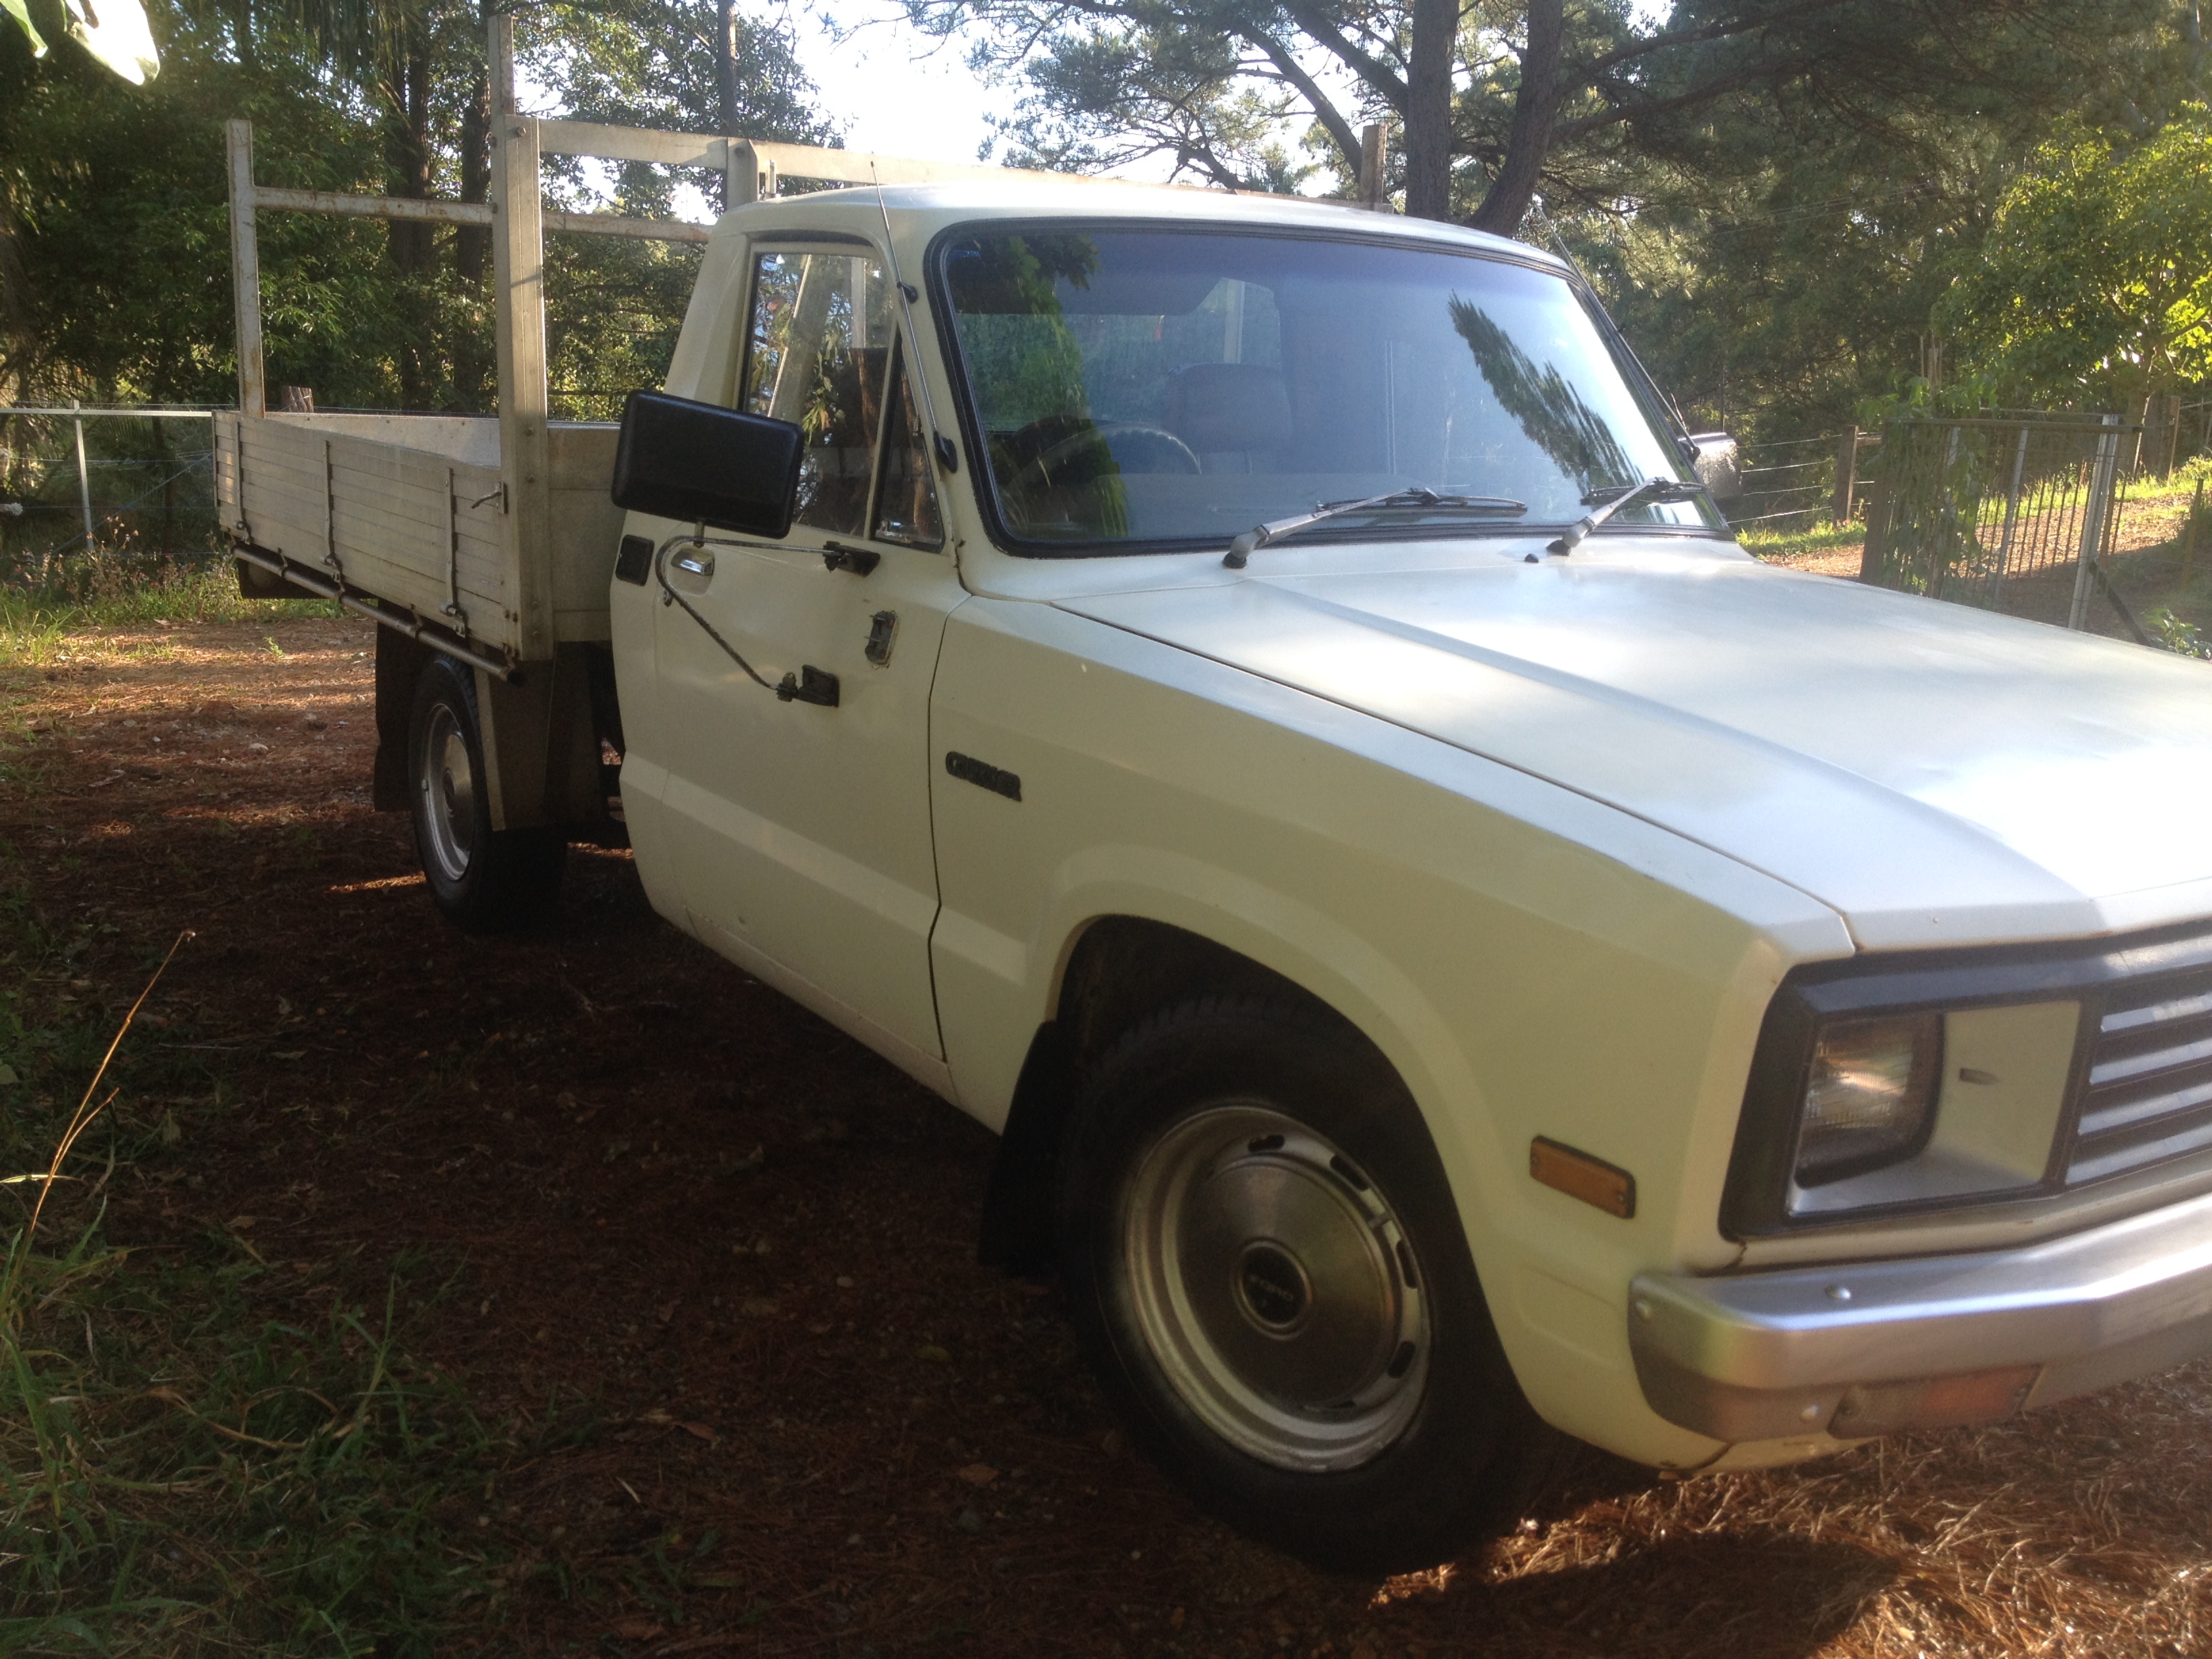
(1325,111)
(1700,95)
(1535,108)
(1591,67)
(1386,81)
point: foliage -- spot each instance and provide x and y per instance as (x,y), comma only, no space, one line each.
(114,253)
(187,1463)
(1533,98)
(1782,256)
(114,246)
(2095,279)
(2175,634)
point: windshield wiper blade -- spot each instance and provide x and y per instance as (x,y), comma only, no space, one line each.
(1663,490)
(1262,535)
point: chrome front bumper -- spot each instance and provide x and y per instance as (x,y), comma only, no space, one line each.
(1878,1346)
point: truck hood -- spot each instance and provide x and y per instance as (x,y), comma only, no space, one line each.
(1936,774)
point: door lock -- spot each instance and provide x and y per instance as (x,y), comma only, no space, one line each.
(881,627)
(811,684)
(858,559)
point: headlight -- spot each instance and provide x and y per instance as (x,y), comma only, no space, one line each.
(1869,1095)
(1903,1087)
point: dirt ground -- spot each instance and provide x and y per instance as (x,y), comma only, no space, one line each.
(743,1249)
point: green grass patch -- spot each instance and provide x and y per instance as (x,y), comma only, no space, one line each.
(1814,539)
(102,591)
(201,1451)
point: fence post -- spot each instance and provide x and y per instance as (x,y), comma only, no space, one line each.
(83,478)
(1875,553)
(1371,140)
(1847,472)
(2092,519)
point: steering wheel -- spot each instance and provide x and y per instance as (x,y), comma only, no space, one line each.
(1066,451)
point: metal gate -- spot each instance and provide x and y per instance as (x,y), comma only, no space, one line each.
(2009,513)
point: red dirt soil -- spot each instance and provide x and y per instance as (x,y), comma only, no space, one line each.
(666,1189)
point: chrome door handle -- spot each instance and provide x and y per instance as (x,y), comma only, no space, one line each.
(699,564)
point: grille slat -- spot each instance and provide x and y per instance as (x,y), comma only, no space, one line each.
(2157,1013)
(2148,1094)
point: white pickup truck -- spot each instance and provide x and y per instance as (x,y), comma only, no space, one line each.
(1252,701)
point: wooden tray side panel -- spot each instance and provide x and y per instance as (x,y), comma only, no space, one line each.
(408,525)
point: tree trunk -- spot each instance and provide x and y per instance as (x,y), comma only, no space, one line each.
(408,155)
(1431,53)
(472,243)
(473,365)
(1529,141)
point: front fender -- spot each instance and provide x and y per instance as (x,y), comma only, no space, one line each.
(1532,962)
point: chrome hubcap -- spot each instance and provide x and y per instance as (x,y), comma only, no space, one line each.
(1275,1288)
(446,786)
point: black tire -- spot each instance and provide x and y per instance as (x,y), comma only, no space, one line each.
(486,881)
(1227,1382)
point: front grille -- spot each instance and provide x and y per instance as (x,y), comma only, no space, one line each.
(2148,1094)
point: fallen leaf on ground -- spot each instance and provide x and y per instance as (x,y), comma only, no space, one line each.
(979,1474)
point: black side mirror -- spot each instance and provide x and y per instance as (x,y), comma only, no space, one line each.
(680,459)
(1718,466)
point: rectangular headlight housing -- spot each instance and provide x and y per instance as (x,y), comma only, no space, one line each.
(1869,1095)
(1883,1087)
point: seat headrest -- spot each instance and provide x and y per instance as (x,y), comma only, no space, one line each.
(1216,407)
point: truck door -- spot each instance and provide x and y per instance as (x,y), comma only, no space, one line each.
(801,820)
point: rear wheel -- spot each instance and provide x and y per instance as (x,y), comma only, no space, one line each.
(1266,1262)
(485,880)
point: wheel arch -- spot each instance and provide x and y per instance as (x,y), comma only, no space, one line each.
(1111,970)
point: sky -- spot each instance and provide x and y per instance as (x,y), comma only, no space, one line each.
(886,93)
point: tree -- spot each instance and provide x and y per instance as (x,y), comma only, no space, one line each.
(114,257)
(2095,279)
(1495,101)
(1776,257)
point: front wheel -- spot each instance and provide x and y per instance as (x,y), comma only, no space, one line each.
(1265,1263)
(485,880)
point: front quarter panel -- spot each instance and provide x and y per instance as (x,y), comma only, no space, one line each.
(1532,962)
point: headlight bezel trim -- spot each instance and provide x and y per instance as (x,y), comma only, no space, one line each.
(1760,1182)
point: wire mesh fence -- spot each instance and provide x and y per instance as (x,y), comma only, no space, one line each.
(117,484)
(1787,484)
(2010,514)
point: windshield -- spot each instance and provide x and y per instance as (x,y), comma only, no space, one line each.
(1148,387)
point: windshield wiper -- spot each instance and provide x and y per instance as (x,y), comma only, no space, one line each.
(1262,535)
(1663,490)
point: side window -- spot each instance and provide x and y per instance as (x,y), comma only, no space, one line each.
(818,354)
(905,500)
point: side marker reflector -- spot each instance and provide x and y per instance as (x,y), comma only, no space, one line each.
(1606,1186)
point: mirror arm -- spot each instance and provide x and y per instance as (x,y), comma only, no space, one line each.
(790,689)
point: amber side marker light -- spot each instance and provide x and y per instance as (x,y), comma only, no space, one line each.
(1592,1180)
